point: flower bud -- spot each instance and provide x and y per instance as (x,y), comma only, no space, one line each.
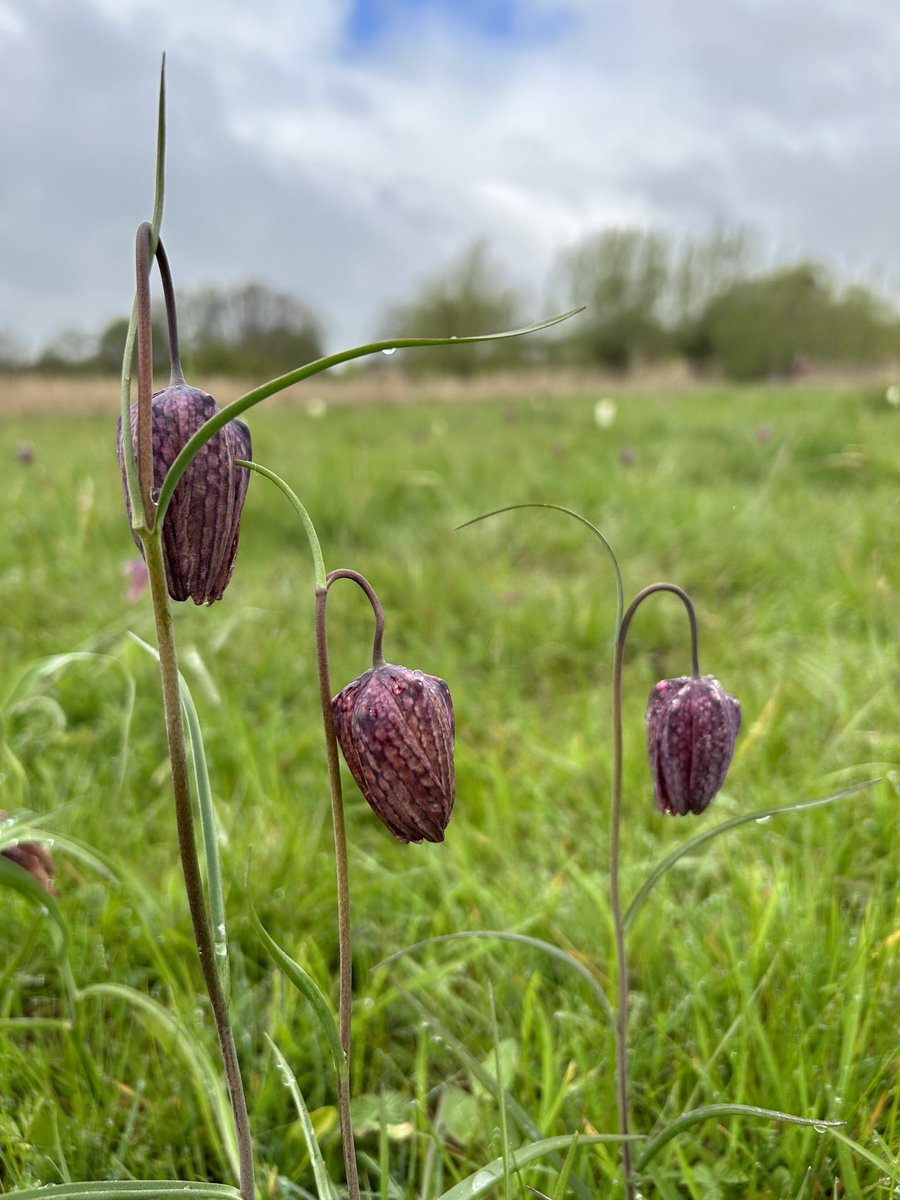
(395,728)
(33,857)
(202,522)
(692,725)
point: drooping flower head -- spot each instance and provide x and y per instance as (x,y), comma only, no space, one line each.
(33,857)
(692,724)
(202,523)
(395,728)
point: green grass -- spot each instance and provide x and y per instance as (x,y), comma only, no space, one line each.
(764,968)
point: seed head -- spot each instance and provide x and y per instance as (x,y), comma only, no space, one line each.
(202,523)
(692,725)
(395,728)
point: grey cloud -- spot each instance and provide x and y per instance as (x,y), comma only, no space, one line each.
(347,176)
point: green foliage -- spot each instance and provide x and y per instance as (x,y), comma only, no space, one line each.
(650,296)
(764,964)
(622,275)
(107,360)
(246,331)
(778,323)
(249,331)
(465,299)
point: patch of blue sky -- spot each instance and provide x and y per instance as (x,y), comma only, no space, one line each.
(507,22)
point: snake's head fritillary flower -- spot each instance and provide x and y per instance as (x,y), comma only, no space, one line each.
(692,724)
(33,857)
(202,522)
(395,728)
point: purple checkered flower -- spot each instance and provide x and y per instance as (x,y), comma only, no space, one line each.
(692,724)
(202,522)
(395,728)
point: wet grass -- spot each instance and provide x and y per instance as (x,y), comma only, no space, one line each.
(764,968)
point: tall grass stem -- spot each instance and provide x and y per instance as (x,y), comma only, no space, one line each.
(187,845)
(345,947)
(615,829)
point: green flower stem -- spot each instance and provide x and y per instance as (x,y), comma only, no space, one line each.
(143,252)
(176,374)
(570,512)
(615,827)
(168,663)
(345,946)
(306,520)
(377,640)
(345,962)
(138,514)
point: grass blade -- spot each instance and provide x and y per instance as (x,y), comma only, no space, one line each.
(307,986)
(524,939)
(480,1182)
(559,1190)
(485,1078)
(501,1098)
(693,843)
(46,669)
(324,1186)
(130,1189)
(210,1086)
(891,1170)
(207,812)
(710,1111)
(17,878)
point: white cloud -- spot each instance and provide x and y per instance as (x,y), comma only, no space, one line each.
(345,173)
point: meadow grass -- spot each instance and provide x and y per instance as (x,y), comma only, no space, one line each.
(764,968)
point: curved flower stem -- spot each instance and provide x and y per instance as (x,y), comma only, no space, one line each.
(143,255)
(310,529)
(345,944)
(187,845)
(345,965)
(570,512)
(176,374)
(345,573)
(615,825)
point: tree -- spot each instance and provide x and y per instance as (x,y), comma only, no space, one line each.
(624,278)
(107,358)
(466,298)
(764,326)
(12,354)
(249,330)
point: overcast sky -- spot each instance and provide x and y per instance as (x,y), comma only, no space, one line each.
(345,149)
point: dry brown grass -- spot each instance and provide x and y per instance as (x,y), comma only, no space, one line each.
(41,395)
(24,395)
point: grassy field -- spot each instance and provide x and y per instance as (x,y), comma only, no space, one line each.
(765,969)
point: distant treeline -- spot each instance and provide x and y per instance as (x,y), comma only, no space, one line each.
(649,298)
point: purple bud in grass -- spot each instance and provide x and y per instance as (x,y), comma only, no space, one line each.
(33,857)
(202,522)
(692,725)
(395,728)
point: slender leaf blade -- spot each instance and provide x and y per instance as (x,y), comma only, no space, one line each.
(694,843)
(324,1186)
(307,986)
